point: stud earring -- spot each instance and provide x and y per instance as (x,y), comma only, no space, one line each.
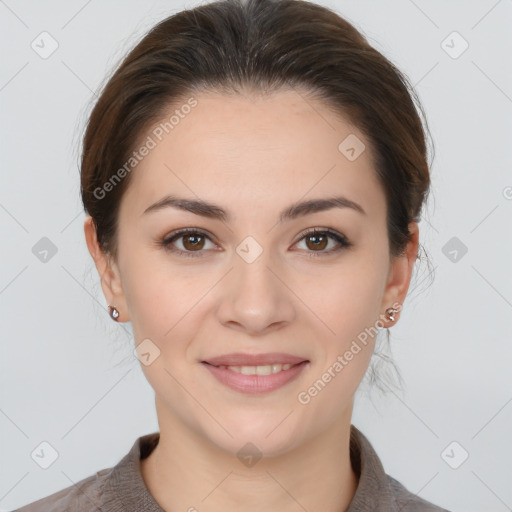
(390,313)
(114,313)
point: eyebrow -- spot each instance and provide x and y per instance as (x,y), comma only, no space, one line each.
(213,211)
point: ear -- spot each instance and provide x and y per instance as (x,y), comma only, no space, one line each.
(399,276)
(108,271)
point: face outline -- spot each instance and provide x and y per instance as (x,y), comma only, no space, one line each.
(268,153)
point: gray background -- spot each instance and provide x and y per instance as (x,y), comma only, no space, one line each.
(68,374)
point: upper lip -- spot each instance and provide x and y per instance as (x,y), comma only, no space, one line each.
(240,359)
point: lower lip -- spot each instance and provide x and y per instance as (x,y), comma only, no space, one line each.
(255,384)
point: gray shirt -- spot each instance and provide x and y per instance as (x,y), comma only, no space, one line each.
(122,488)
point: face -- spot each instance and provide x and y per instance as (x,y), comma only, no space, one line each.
(255,281)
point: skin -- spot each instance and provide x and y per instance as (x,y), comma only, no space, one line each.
(254,156)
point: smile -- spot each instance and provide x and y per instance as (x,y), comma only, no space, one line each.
(258,370)
(256,379)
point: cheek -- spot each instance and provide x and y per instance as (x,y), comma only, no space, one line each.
(158,298)
(349,301)
(162,314)
(350,309)
(151,308)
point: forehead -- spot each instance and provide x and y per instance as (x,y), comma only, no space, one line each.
(253,151)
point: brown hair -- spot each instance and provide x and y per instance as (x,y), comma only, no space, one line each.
(262,45)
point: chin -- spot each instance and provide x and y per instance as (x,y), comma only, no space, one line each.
(269,438)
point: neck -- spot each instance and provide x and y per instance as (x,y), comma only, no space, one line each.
(187,472)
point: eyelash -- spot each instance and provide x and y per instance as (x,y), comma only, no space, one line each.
(341,239)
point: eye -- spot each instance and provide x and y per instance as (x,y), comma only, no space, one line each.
(318,240)
(193,240)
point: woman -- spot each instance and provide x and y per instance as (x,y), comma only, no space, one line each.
(253,174)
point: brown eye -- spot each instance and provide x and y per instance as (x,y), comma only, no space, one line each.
(318,241)
(193,242)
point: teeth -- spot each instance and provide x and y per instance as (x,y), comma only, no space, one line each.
(259,370)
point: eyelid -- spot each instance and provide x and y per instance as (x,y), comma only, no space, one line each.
(325,230)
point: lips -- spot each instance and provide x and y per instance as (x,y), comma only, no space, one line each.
(240,359)
(255,384)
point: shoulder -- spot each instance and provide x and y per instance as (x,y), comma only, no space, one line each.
(376,489)
(83,496)
(115,489)
(406,501)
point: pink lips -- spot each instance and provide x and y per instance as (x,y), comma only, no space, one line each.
(254,384)
(240,359)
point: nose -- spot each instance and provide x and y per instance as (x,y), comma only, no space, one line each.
(254,296)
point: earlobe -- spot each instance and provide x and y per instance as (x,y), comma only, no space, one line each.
(108,271)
